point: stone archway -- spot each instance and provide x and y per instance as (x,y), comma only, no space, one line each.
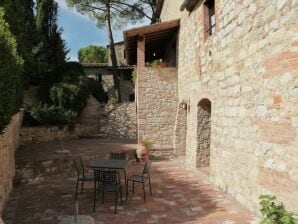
(203,133)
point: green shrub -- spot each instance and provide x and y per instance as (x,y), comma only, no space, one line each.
(71,96)
(11,66)
(97,90)
(42,114)
(75,67)
(113,101)
(275,214)
(134,76)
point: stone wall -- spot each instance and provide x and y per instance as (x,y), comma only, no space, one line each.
(157,105)
(96,120)
(107,81)
(248,70)
(9,142)
(119,50)
(180,132)
(90,115)
(118,121)
(31,135)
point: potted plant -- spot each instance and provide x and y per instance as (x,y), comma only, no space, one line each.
(144,149)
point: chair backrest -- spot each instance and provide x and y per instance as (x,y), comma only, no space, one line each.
(106,176)
(147,168)
(117,155)
(98,174)
(79,166)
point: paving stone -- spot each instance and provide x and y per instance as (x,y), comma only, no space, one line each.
(196,209)
(159,216)
(82,219)
(229,222)
(152,221)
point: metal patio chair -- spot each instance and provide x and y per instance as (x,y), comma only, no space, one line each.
(107,181)
(144,178)
(117,155)
(81,176)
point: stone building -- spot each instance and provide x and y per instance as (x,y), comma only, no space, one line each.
(103,72)
(217,86)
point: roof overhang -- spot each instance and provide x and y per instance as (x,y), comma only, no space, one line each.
(151,33)
(105,66)
(94,65)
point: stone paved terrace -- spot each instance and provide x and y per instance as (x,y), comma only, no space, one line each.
(179,195)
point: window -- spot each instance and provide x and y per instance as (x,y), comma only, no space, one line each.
(209,17)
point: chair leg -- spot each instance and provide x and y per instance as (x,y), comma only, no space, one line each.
(144,191)
(116,199)
(120,195)
(77,190)
(150,186)
(94,196)
(133,187)
(126,190)
(102,195)
(82,187)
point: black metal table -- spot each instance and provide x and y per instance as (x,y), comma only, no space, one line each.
(111,164)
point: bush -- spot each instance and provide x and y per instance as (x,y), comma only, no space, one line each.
(97,90)
(42,114)
(11,66)
(75,67)
(275,214)
(113,101)
(71,96)
(134,76)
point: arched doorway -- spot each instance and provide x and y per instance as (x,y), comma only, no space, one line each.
(203,133)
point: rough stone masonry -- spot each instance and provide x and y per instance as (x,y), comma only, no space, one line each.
(248,69)
(245,77)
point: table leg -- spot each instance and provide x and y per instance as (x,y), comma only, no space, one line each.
(125,177)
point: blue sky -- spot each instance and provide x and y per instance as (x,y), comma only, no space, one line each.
(80,31)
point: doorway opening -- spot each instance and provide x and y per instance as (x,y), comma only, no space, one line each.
(203,135)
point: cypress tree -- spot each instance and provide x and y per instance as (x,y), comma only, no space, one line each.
(52,51)
(20,17)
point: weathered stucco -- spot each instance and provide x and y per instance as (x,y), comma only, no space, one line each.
(248,70)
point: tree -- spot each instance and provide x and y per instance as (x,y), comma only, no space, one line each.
(11,66)
(20,17)
(92,54)
(51,52)
(104,11)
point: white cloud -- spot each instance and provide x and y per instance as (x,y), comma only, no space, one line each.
(63,6)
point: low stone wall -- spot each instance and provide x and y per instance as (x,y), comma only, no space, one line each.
(31,135)
(119,121)
(96,120)
(29,171)
(9,141)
